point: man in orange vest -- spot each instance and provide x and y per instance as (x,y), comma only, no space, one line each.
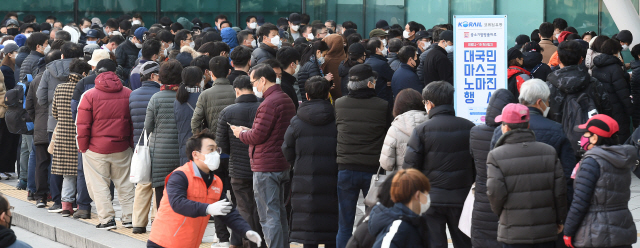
(193,193)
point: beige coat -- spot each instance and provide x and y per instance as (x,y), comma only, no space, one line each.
(548,50)
(395,143)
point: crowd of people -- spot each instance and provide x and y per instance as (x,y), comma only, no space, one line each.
(274,131)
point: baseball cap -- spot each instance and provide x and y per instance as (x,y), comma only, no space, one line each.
(356,48)
(514,113)
(295,18)
(90,48)
(139,33)
(377,33)
(601,125)
(97,56)
(12,22)
(447,35)
(522,39)
(423,35)
(625,36)
(96,20)
(149,67)
(382,24)
(20,39)
(9,48)
(92,33)
(361,72)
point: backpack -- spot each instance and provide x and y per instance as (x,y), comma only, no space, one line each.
(576,110)
(16,117)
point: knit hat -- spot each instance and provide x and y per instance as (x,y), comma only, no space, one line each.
(356,48)
(139,33)
(447,35)
(106,65)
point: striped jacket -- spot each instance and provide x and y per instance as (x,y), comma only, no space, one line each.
(397,227)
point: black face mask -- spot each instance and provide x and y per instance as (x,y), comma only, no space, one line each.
(9,223)
(12,31)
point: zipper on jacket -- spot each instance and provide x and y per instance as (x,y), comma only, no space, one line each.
(183,221)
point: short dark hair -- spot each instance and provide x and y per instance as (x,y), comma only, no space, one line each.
(597,43)
(248,19)
(194,143)
(72,50)
(180,36)
(51,17)
(241,56)
(52,56)
(436,35)
(201,62)
(125,25)
(406,53)
(266,29)
(29,18)
(305,18)
(273,63)
(546,30)
(535,35)
(118,39)
(333,23)
(372,45)
(287,55)
(570,52)
(438,93)
(317,87)
(219,66)
(176,26)
(560,23)
(165,36)
(150,47)
(36,39)
(79,66)
(228,22)
(112,23)
(414,26)
(635,52)
(24,27)
(219,48)
(57,44)
(191,77)
(243,35)
(406,100)
(611,47)
(264,70)
(349,24)
(514,126)
(63,35)
(170,72)
(243,83)
(394,33)
(208,48)
(221,16)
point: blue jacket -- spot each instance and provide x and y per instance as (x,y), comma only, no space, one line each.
(229,37)
(405,77)
(138,101)
(134,78)
(397,226)
(550,133)
(183,113)
(385,74)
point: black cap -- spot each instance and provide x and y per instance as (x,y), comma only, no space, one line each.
(356,48)
(295,18)
(625,36)
(92,33)
(300,40)
(447,35)
(382,24)
(532,47)
(184,58)
(514,53)
(106,65)
(361,72)
(522,39)
(423,35)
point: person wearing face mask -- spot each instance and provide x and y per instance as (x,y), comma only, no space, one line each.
(400,225)
(113,43)
(289,59)
(269,166)
(127,52)
(435,37)
(38,44)
(513,178)
(602,178)
(423,40)
(378,61)
(559,25)
(8,236)
(294,27)
(185,211)
(392,55)
(546,41)
(410,31)
(184,105)
(12,27)
(437,66)
(150,50)
(405,77)
(312,59)
(332,60)
(92,37)
(252,24)
(516,75)
(241,62)
(247,39)
(269,42)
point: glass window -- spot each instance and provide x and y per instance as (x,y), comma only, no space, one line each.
(105,9)
(609,28)
(581,14)
(434,13)
(337,10)
(520,22)
(205,10)
(270,9)
(472,7)
(391,11)
(61,9)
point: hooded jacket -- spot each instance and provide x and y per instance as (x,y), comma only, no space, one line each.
(609,72)
(405,78)
(520,169)
(533,64)
(635,92)
(484,223)
(57,73)
(439,148)
(397,227)
(437,67)
(332,61)
(210,103)
(308,70)
(164,147)
(138,102)
(599,215)
(229,37)
(242,113)
(516,77)
(104,118)
(588,60)
(380,65)
(394,61)
(395,143)
(262,53)
(310,147)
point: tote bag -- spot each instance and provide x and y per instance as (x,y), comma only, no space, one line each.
(467,211)
(141,161)
(374,187)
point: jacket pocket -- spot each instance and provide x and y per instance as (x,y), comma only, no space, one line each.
(183,221)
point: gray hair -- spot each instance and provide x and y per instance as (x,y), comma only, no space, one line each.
(358,85)
(532,90)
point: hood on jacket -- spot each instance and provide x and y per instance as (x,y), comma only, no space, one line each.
(513,70)
(336,46)
(229,37)
(108,82)
(620,156)
(381,217)
(316,112)
(570,79)
(498,100)
(516,136)
(531,59)
(59,69)
(604,60)
(408,121)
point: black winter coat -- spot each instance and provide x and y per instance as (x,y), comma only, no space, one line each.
(531,61)
(437,67)
(30,64)
(308,70)
(138,101)
(609,72)
(38,113)
(287,83)
(126,56)
(439,148)
(310,147)
(361,237)
(484,223)
(635,92)
(183,113)
(23,52)
(343,70)
(242,113)
(262,53)
(380,65)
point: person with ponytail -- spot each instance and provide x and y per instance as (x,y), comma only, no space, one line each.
(310,63)
(184,105)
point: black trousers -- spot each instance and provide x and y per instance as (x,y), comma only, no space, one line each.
(222,232)
(246,206)
(438,218)
(43,161)
(159,193)
(551,244)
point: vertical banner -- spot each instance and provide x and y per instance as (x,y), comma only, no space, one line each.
(480,63)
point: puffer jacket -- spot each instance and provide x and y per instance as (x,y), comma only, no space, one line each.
(30,64)
(37,112)
(520,169)
(362,120)
(308,70)
(395,143)
(599,215)
(138,102)
(332,61)
(183,114)
(439,148)
(484,223)
(437,66)
(423,58)
(635,92)
(163,141)
(310,147)
(609,72)
(23,52)
(57,73)
(126,56)
(267,132)
(242,113)
(397,227)
(588,60)
(103,117)
(405,78)
(533,64)
(262,53)
(394,61)
(210,103)
(379,64)
(344,77)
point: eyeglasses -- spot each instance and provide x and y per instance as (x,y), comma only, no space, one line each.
(11,208)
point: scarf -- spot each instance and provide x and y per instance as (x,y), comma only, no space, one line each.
(192,89)
(173,87)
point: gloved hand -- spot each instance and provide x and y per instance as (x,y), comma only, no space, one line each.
(567,241)
(254,237)
(222,207)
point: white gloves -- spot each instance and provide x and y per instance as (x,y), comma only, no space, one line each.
(254,237)
(222,207)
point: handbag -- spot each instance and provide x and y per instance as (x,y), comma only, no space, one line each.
(376,181)
(52,144)
(141,161)
(467,211)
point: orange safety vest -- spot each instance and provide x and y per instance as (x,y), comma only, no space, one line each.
(171,229)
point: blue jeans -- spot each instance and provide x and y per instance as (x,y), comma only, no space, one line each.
(350,183)
(31,175)
(268,189)
(55,182)
(25,152)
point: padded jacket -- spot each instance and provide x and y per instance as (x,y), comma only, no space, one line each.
(138,102)
(37,112)
(380,65)
(242,113)
(437,67)
(393,60)
(210,103)
(395,143)
(30,65)
(308,70)
(262,53)
(183,114)
(423,57)
(533,60)
(163,141)
(405,78)
(635,92)
(609,72)
(126,56)
(57,73)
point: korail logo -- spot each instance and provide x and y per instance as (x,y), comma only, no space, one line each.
(467,24)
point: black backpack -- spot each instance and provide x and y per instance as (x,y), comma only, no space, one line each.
(16,117)
(577,109)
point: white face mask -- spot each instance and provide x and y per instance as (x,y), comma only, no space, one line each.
(425,45)
(275,40)
(212,160)
(257,92)
(297,69)
(47,49)
(295,27)
(425,207)
(254,43)
(138,45)
(321,60)
(384,43)
(253,25)
(92,42)
(310,36)
(449,49)
(166,52)
(625,47)
(85,30)
(384,51)
(136,22)
(405,34)
(278,81)
(546,110)
(557,36)
(202,83)
(192,44)
(27,35)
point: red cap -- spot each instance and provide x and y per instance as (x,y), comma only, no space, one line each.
(563,36)
(601,125)
(514,113)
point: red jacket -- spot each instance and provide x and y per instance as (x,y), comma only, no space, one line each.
(104,123)
(267,133)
